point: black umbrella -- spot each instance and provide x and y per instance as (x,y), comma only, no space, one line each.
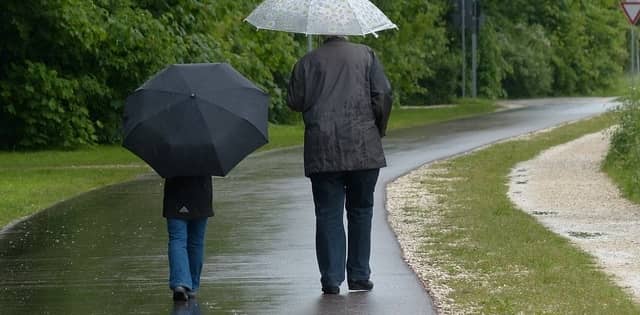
(195,119)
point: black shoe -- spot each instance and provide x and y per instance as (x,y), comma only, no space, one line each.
(191,294)
(180,294)
(331,290)
(360,285)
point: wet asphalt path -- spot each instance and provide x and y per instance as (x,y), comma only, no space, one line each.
(104,252)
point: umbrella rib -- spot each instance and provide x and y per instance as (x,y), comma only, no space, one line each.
(373,30)
(216,90)
(164,90)
(214,149)
(240,88)
(159,91)
(357,18)
(151,116)
(176,70)
(308,13)
(230,112)
(181,76)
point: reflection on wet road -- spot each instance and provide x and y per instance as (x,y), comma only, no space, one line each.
(105,252)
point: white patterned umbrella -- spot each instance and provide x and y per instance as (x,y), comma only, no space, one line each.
(320,17)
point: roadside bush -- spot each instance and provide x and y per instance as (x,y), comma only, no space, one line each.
(623,159)
(48,108)
(68,64)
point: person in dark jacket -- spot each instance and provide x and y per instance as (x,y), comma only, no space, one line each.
(187,205)
(345,99)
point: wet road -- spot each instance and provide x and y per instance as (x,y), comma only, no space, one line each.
(105,252)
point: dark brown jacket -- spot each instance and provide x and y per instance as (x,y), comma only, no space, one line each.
(345,100)
(188,197)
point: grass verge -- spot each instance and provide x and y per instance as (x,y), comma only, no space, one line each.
(30,181)
(495,258)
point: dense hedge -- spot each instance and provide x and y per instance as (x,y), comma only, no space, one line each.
(67,65)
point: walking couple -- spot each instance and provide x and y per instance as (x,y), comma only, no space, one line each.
(345,100)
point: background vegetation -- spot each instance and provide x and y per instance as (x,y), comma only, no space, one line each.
(623,158)
(66,66)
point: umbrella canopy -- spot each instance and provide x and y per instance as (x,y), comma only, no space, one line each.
(195,119)
(320,17)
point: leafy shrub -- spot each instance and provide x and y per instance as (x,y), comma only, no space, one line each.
(69,65)
(623,158)
(48,108)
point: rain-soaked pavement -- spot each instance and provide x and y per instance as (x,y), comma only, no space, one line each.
(104,252)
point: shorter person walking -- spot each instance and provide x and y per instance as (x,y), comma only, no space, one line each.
(188,203)
(345,100)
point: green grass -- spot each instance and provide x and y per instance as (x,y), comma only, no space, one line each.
(89,156)
(30,181)
(281,136)
(516,265)
(418,116)
(26,191)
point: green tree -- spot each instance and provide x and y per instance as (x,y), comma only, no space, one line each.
(69,65)
(66,66)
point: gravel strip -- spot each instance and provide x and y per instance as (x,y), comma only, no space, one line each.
(565,190)
(411,207)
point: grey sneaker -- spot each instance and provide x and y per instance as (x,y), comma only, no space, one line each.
(331,290)
(360,285)
(180,294)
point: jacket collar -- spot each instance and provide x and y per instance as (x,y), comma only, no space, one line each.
(335,38)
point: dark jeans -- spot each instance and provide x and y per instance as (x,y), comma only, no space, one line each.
(330,191)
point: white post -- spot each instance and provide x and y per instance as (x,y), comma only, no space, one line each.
(636,51)
(634,60)
(474,50)
(464,48)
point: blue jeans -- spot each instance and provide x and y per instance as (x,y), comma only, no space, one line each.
(329,193)
(186,252)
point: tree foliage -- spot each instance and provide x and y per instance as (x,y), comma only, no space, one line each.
(66,66)
(551,47)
